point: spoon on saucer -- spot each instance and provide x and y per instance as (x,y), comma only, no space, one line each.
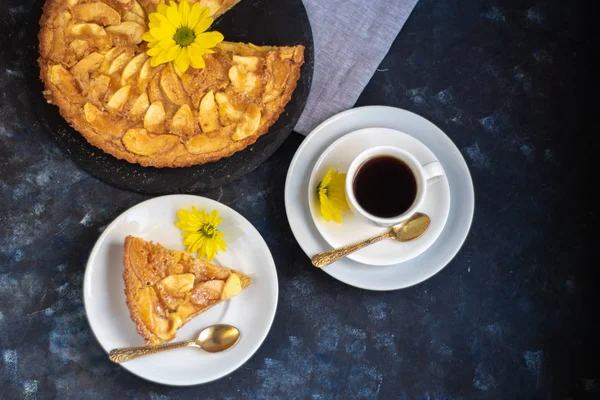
(213,339)
(408,230)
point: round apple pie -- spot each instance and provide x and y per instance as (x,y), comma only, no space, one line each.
(94,65)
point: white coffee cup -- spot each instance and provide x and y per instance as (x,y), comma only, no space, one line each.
(424,175)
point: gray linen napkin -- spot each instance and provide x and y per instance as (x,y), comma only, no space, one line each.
(351,39)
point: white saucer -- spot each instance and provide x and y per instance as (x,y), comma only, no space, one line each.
(412,271)
(354,228)
(252,311)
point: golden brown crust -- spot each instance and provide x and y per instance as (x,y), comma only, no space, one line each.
(147,263)
(132,286)
(124,135)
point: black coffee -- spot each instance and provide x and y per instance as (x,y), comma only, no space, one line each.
(385,186)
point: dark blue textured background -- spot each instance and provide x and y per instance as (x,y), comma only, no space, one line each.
(511,317)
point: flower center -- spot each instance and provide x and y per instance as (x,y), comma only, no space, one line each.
(321,187)
(184,36)
(208,230)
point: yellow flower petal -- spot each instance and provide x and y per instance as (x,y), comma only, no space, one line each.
(209,250)
(154,62)
(199,51)
(191,238)
(157,18)
(184,12)
(331,212)
(200,242)
(194,16)
(196,217)
(204,22)
(188,227)
(162,9)
(201,215)
(154,51)
(196,247)
(187,234)
(162,33)
(327,177)
(222,244)
(161,58)
(332,195)
(208,39)
(214,219)
(173,16)
(325,209)
(147,36)
(182,214)
(166,44)
(196,59)
(183,60)
(174,52)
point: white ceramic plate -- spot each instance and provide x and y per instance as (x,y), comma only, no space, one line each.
(354,228)
(395,276)
(252,311)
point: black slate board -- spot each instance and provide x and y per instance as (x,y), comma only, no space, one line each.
(262,22)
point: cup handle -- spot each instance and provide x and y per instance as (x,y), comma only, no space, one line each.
(433,171)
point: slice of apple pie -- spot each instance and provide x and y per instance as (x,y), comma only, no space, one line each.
(167,288)
(95,68)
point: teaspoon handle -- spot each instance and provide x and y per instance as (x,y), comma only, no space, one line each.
(327,257)
(129,353)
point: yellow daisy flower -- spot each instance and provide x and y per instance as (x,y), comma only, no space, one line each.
(177,33)
(199,231)
(332,195)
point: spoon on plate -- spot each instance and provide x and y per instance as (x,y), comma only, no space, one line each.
(213,339)
(408,230)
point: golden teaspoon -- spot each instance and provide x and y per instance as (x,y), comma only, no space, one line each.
(408,230)
(213,339)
